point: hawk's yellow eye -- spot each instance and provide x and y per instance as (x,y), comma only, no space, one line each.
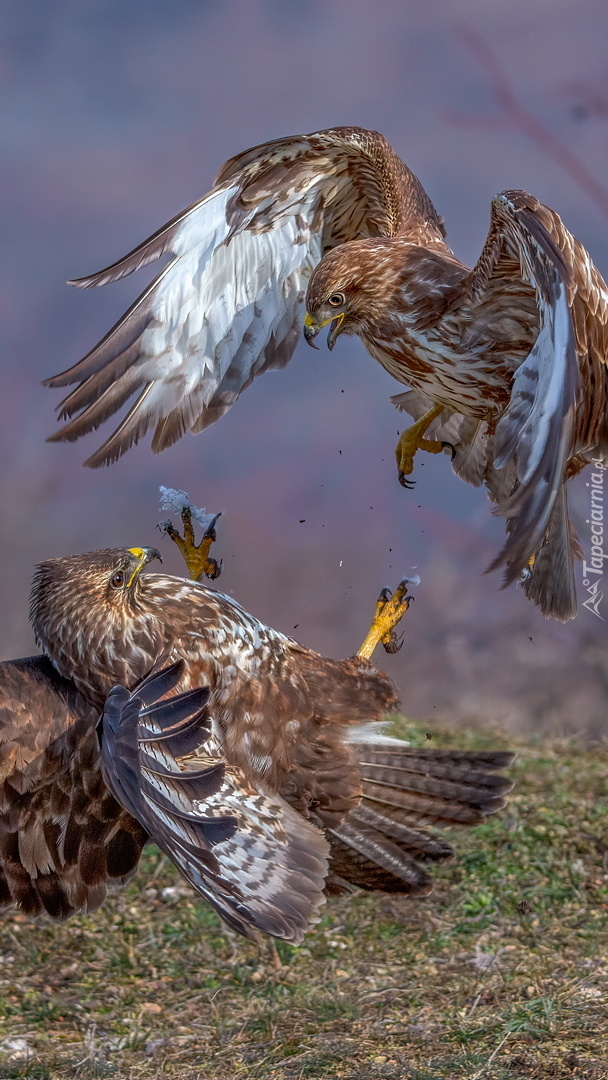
(118,579)
(337,299)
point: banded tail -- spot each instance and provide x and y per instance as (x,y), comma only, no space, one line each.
(383,842)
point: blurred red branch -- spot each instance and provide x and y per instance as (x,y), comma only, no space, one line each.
(526,122)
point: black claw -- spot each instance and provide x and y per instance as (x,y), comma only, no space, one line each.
(385,595)
(403,480)
(210,533)
(401,594)
(449,446)
(215,569)
(394,644)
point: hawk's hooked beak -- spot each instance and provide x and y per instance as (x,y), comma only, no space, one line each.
(312,328)
(143,556)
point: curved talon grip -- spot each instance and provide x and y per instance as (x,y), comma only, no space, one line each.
(403,480)
(395,643)
(213,568)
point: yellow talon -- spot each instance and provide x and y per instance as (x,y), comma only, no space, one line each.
(390,609)
(411,440)
(196,556)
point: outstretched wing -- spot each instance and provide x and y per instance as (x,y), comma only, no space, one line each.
(558,395)
(259,863)
(63,836)
(229,304)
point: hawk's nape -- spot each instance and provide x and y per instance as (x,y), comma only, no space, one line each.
(273,783)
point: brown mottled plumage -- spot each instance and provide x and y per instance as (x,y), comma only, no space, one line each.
(63,836)
(514,349)
(319,798)
(515,352)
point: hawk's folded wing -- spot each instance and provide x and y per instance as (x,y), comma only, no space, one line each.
(229,304)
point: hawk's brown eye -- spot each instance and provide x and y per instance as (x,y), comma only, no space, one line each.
(336,299)
(118,580)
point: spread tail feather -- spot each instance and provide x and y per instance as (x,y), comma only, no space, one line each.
(382,843)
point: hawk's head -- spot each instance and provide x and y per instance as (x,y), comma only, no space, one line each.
(88,617)
(352,288)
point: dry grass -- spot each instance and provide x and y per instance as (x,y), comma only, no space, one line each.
(501,973)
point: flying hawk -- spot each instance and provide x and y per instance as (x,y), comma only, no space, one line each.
(272,786)
(506,361)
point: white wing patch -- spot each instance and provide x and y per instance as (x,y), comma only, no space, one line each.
(228,306)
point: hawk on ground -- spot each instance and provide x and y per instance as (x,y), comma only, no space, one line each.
(506,362)
(271,787)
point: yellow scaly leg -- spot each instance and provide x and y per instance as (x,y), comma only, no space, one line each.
(411,440)
(390,609)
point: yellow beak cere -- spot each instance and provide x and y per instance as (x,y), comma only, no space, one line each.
(142,558)
(309,321)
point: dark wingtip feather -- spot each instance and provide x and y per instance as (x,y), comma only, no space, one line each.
(173,714)
(130,430)
(162,678)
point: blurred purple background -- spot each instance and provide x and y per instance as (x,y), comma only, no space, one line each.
(115,116)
